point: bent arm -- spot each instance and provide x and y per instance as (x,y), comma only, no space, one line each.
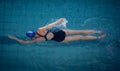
(22,41)
(54,23)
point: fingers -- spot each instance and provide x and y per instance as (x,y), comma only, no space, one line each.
(62,19)
(11,37)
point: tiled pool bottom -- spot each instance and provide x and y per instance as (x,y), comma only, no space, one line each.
(19,16)
(52,56)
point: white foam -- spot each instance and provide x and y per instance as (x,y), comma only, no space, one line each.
(59,26)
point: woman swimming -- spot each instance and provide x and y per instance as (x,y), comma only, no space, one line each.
(63,35)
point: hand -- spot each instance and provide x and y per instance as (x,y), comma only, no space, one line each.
(15,38)
(62,19)
(11,37)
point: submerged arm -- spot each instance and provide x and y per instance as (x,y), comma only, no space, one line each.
(22,41)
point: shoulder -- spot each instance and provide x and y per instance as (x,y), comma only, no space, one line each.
(41,31)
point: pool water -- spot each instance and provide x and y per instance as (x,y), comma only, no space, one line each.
(19,16)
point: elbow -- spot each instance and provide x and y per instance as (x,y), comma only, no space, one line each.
(22,42)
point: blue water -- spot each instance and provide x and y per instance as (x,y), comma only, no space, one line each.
(19,16)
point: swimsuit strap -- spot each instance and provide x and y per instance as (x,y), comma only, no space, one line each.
(45,36)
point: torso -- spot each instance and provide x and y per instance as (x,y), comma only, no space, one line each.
(57,36)
(50,36)
(47,36)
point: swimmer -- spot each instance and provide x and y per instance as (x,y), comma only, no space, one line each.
(64,35)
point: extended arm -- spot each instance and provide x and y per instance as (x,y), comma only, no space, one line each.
(43,29)
(54,23)
(21,41)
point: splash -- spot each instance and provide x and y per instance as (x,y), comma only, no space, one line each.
(93,20)
(59,26)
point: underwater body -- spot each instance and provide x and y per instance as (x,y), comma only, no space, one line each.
(19,16)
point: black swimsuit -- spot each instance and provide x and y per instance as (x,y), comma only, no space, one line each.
(58,36)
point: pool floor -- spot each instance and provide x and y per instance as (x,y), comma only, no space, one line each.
(19,16)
